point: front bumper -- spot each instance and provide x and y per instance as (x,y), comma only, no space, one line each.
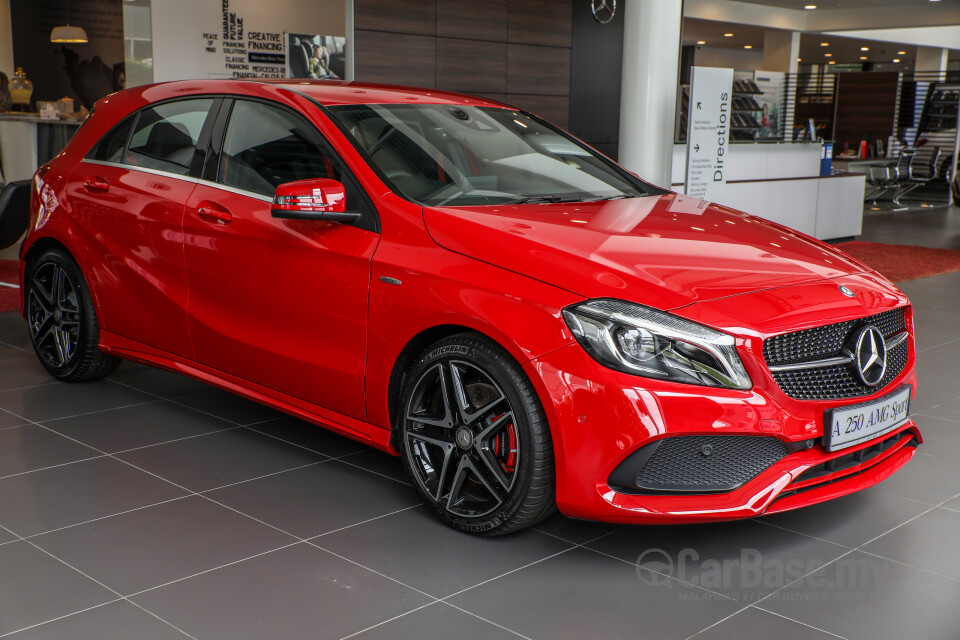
(601,417)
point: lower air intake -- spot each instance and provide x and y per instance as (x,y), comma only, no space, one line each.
(696,464)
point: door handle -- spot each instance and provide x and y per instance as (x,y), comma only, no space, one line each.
(96,184)
(213,212)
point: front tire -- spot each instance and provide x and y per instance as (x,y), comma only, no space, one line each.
(62,319)
(475,439)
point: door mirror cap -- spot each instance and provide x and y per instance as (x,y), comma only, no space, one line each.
(313,199)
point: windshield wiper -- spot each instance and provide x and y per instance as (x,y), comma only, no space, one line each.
(544,198)
(624,196)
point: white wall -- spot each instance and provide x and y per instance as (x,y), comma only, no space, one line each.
(738,59)
(179,48)
(6,39)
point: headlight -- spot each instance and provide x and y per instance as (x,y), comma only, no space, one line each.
(645,342)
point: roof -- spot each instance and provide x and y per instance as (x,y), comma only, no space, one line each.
(330,92)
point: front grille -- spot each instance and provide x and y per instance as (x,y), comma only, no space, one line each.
(696,464)
(838,381)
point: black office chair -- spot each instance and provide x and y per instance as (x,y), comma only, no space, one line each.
(14,211)
(890,179)
(921,171)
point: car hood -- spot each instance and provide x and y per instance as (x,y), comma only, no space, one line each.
(664,251)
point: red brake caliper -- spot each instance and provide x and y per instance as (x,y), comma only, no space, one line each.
(506,448)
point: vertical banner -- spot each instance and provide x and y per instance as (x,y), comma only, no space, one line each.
(772,87)
(708,132)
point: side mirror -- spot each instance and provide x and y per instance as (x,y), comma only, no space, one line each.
(313,199)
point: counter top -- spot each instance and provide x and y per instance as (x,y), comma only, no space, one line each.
(15,116)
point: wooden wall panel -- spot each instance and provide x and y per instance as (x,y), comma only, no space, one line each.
(536,69)
(472,20)
(397,16)
(556,109)
(471,65)
(546,22)
(396,58)
(865,106)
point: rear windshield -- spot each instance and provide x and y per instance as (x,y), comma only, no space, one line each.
(464,155)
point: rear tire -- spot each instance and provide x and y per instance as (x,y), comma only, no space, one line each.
(475,439)
(62,319)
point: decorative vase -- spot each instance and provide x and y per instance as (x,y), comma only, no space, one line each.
(20,90)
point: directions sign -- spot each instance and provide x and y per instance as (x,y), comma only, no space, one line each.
(708,132)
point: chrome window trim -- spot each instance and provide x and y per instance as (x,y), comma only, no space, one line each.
(170,174)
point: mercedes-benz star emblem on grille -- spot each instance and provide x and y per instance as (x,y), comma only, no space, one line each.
(871,356)
(603,10)
(847,291)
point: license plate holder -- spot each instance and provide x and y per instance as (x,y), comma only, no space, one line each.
(847,426)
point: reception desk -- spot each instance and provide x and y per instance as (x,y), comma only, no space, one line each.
(782,182)
(27,141)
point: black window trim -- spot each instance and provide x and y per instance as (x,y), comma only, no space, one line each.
(218,137)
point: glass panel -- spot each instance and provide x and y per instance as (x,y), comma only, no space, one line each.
(166,135)
(265,147)
(110,147)
(463,155)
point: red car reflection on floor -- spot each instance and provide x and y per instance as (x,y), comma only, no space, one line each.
(528,325)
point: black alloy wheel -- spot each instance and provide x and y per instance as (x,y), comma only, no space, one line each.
(475,439)
(62,321)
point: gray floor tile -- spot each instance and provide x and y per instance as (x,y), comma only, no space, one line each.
(755,624)
(380,463)
(49,402)
(925,478)
(850,520)
(317,499)
(948,410)
(743,560)
(219,459)
(228,406)
(941,438)
(12,324)
(44,500)
(9,353)
(32,447)
(6,536)
(148,547)
(581,594)
(157,381)
(863,597)
(575,531)
(298,592)
(139,426)
(929,542)
(310,436)
(23,372)
(937,326)
(417,549)
(437,622)
(8,420)
(115,621)
(35,588)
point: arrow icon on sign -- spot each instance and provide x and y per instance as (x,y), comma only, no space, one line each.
(696,148)
(698,106)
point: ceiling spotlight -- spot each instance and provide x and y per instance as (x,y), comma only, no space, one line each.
(902,53)
(828,55)
(799,59)
(832,62)
(748,46)
(809,6)
(864,48)
(863,57)
(896,59)
(728,35)
(824,44)
(701,42)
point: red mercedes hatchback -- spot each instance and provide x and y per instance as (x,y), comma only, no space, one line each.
(528,325)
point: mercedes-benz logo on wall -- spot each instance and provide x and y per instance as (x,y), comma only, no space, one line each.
(603,10)
(871,355)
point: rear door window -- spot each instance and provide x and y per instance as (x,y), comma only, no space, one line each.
(165,136)
(110,147)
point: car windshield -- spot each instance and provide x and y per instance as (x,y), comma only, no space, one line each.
(463,155)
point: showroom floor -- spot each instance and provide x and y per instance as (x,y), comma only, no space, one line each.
(150,506)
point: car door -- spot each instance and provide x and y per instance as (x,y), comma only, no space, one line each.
(128,196)
(278,302)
